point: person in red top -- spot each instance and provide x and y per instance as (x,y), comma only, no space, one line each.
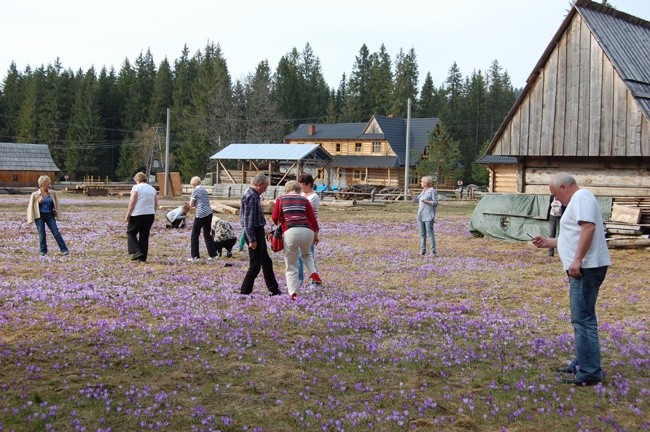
(300,231)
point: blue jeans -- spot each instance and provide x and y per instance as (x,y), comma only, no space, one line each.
(426,230)
(49,220)
(583,293)
(301,270)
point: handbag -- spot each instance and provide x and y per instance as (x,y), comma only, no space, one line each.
(277,244)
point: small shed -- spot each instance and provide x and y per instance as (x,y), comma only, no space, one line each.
(585,109)
(281,162)
(22,164)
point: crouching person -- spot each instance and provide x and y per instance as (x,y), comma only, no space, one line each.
(177,217)
(224,236)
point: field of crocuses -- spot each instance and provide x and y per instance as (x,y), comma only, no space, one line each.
(392,341)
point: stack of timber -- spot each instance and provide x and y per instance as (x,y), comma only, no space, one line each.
(355,192)
(234,206)
(629,225)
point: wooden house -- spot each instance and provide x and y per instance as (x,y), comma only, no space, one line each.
(22,164)
(585,110)
(371,153)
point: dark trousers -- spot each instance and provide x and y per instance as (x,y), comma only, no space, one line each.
(137,235)
(178,223)
(226,244)
(553,228)
(260,259)
(202,224)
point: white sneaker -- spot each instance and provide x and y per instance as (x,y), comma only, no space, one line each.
(192,259)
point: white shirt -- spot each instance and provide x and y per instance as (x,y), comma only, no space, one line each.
(314,199)
(582,207)
(146,202)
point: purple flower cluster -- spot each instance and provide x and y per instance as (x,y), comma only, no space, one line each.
(391,341)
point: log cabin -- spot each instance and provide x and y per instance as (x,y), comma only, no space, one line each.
(585,110)
(22,164)
(371,153)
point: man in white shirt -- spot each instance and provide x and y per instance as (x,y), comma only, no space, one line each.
(585,258)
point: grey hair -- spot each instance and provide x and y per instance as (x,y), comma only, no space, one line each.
(195,181)
(428,179)
(292,186)
(260,179)
(42,179)
(562,179)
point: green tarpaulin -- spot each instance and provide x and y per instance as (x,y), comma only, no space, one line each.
(512,216)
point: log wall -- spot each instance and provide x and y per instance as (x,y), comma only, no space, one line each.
(23,178)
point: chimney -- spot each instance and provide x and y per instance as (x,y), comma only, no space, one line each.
(311,129)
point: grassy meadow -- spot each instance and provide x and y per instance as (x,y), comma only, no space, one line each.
(392,341)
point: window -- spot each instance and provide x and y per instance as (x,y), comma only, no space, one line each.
(338,147)
(376,147)
(358,147)
(15,177)
(359,175)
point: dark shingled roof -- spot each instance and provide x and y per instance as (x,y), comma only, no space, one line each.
(328,131)
(497,160)
(26,157)
(626,41)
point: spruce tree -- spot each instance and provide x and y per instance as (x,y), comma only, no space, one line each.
(30,108)
(288,91)
(316,91)
(406,82)
(10,101)
(58,96)
(359,101)
(110,105)
(381,82)
(441,156)
(85,143)
(161,97)
(262,119)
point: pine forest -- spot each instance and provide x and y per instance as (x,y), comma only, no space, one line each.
(110,124)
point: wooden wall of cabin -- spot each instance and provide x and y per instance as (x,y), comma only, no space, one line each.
(24,178)
(618,177)
(577,106)
(348,148)
(503,178)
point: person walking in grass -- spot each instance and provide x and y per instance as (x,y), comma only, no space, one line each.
(306,181)
(253,223)
(200,199)
(299,233)
(140,215)
(583,251)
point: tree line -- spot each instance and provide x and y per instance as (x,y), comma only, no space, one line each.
(110,123)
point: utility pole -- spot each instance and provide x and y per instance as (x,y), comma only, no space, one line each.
(167,155)
(407,158)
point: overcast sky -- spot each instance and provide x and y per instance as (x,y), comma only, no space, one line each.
(472,33)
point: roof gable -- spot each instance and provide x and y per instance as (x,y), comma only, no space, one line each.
(589,94)
(26,157)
